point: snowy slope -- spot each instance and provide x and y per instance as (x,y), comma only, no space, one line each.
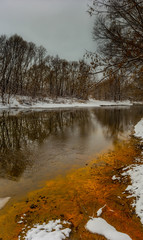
(20,102)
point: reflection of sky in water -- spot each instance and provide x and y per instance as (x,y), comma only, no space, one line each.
(37,146)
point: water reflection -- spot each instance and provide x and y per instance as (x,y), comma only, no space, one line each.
(21,134)
(36,145)
(115,121)
(23,129)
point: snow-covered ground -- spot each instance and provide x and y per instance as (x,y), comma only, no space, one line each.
(139,130)
(58,230)
(20,102)
(53,230)
(135,172)
(136,188)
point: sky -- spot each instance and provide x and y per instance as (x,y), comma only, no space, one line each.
(63,27)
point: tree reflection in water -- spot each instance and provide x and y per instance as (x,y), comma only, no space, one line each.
(20,134)
(117,120)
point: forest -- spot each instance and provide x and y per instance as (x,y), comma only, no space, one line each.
(26,69)
(112,72)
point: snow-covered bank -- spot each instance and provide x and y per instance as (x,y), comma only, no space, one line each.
(136,188)
(135,172)
(20,102)
(139,130)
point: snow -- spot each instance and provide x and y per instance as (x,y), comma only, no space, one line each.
(3,201)
(23,102)
(136,188)
(99,212)
(100,226)
(53,230)
(20,222)
(115,178)
(135,172)
(139,129)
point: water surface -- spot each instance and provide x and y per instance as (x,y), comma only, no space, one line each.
(36,146)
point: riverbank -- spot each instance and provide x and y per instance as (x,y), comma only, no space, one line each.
(19,102)
(76,198)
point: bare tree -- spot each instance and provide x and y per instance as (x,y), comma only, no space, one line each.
(26,69)
(118,30)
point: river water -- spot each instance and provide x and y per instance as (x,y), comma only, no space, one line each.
(39,145)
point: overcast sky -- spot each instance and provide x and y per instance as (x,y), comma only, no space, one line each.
(63,27)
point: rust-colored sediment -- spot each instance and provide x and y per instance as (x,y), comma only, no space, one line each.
(79,195)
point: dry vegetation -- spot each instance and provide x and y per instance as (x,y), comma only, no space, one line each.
(79,195)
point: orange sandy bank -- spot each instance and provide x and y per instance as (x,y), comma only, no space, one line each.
(78,196)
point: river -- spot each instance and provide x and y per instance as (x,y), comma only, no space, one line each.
(39,145)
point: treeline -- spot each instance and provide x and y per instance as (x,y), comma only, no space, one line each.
(118,87)
(26,69)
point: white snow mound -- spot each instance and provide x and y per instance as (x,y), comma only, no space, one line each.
(101,227)
(54,230)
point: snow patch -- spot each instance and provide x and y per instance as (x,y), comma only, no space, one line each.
(99,212)
(54,230)
(136,188)
(116,178)
(101,227)
(24,102)
(135,172)
(20,222)
(139,129)
(3,201)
